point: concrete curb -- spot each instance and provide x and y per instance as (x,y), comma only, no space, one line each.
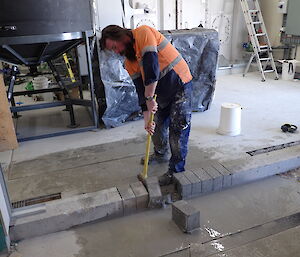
(115,202)
(216,176)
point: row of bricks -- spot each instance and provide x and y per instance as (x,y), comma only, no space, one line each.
(211,177)
(138,196)
(66,213)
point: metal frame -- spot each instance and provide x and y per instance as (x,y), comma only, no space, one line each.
(75,39)
(35,39)
(68,102)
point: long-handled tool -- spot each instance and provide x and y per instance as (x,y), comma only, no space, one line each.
(142,176)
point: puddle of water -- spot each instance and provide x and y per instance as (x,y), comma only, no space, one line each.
(218,246)
(212,233)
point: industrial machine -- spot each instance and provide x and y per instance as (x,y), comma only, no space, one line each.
(33,32)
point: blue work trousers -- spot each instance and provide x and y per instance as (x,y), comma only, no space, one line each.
(173,125)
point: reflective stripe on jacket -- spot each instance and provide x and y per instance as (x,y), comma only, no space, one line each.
(157,60)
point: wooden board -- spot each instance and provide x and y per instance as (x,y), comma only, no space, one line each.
(8,139)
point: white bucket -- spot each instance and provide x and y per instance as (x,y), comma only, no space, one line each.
(230,119)
(40,83)
(288,69)
(43,83)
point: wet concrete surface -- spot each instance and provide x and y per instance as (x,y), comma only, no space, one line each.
(87,169)
(54,165)
(285,244)
(241,216)
(113,156)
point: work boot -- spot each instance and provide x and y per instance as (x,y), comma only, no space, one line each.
(156,158)
(166,179)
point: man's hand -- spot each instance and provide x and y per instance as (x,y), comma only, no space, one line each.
(152,106)
(150,92)
(149,127)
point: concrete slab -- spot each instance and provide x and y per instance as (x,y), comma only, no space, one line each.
(285,243)
(235,209)
(81,170)
(56,245)
(66,213)
(205,144)
(263,165)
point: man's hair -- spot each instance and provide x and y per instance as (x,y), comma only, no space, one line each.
(113,32)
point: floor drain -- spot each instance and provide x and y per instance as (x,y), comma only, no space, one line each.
(36,200)
(273,148)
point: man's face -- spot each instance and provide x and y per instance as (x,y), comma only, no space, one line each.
(117,46)
(124,48)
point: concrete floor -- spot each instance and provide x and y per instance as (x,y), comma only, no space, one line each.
(112,157)
(234,216)
(59,168)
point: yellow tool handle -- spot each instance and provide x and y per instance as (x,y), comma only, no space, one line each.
(148,144)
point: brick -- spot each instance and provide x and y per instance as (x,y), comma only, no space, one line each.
(185,216)
(128,199)
(195,181)
(216,175)
(141,195)
(206,180)
(183,185)
(227,175)
(155,195)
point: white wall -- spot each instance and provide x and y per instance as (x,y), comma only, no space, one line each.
(226,17)
(192,13)
(108,14)
(167,14)
(223,15)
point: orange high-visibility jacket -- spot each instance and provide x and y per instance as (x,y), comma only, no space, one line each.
(157,60)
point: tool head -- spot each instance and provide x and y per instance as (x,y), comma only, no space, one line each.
(142,178)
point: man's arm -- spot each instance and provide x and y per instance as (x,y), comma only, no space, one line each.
(149,93)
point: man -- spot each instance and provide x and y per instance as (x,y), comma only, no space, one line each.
(156,67)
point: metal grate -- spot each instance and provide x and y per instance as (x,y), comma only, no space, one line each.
(36,200)
(273,148)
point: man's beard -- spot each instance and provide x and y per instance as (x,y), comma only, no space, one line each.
(129,52)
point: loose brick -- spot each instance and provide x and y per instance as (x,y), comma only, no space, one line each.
(141,195)
(128,198)
(195,181)
(155,195)
(183,185)
(185,216)
(227,176)
(206,180)
(216,175)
